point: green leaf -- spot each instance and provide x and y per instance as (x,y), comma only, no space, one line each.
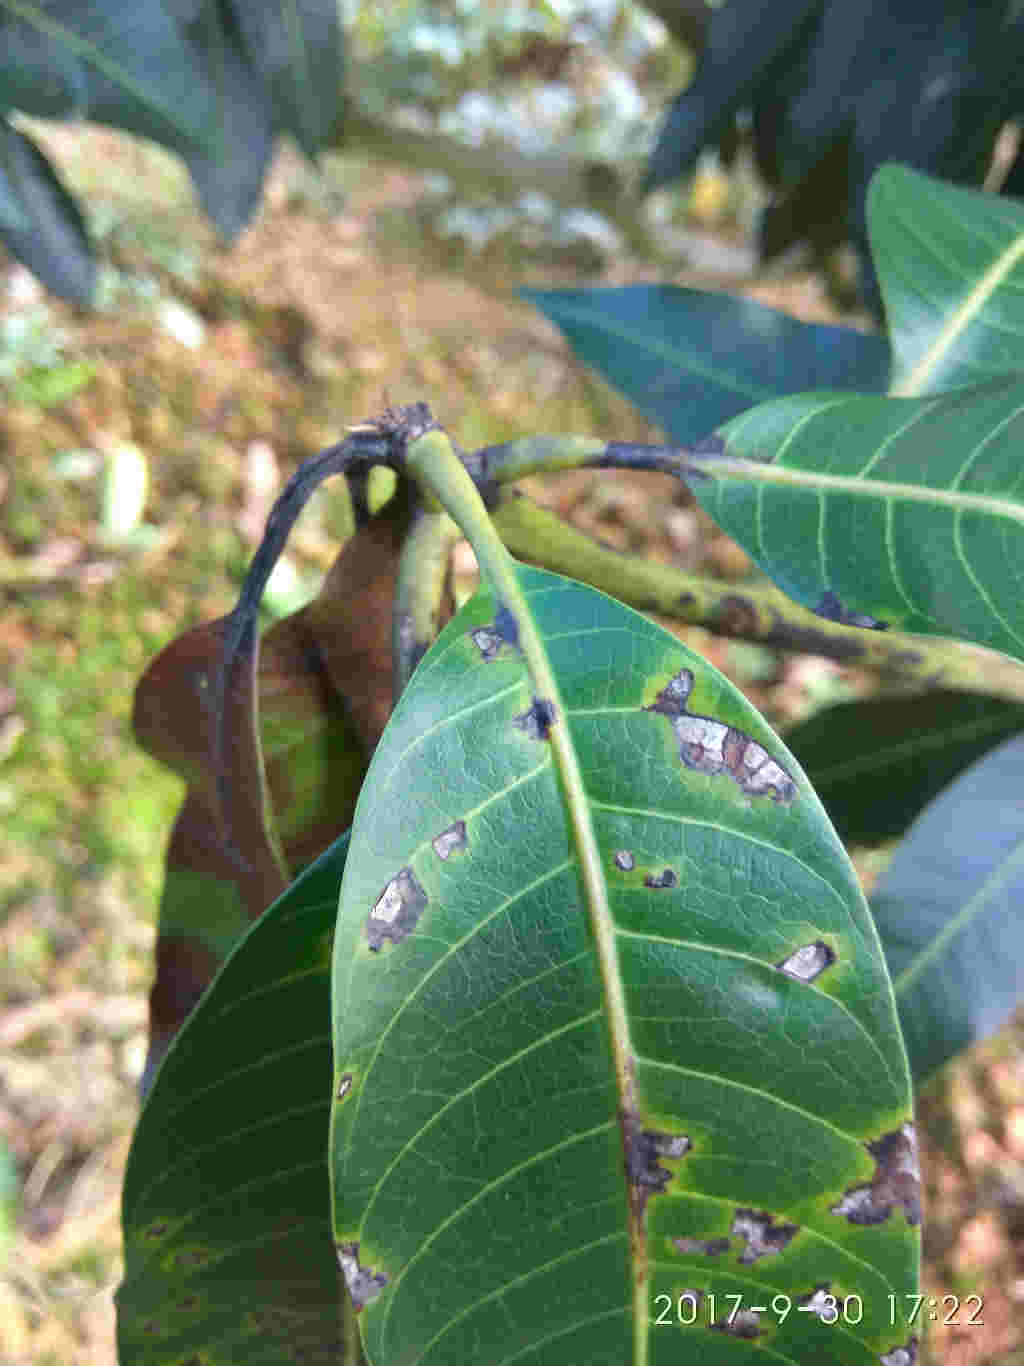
(555,1105)
(948,911)
(690,360)
(118,64)
(951,266)
(747,45)
(228,1249)
(295,45)
(875,764)
(906,511)
(39,221)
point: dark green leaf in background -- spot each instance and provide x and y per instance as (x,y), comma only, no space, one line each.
(121,64)
(295,46)
(875,764)
(848,85)
(228,1249)
(746,44)
(209,82)
(948,909)
(702,1048)
(951,267)
(690,360)
(39,221)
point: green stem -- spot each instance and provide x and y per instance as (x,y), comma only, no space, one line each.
(748,611)
(433,463)
(422,573)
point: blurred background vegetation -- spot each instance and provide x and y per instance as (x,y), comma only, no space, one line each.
(140,448)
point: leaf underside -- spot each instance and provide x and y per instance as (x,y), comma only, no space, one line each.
(948,911)
(691,360)
(484,1162)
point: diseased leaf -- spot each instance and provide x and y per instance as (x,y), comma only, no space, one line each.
(875,764)
(907,511)
(39,221)
(324,679)
(951,267)
(690,360)
(563,1092)
(295,46)
(948,911)
(228,1248)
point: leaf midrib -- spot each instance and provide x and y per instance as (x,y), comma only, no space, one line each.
(737,469)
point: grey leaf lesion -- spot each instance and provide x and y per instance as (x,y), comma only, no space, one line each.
(808,962)
(704,1247)
(713,747)
(658,881)
(363,1284)
(504,630)
(450,841)
(763,1237)
(643,1149)
(901,1356)
(537,722)
(895,1185)
(396,911)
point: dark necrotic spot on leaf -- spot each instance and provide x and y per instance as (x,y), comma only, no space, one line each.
(707,1247)
(831,607)
(363,1285)
(819,1301)
(538,720)
(156,1230)
(901,1356)
(763,1237)
(188,1306)
(666,878)
(897,1182)
(487,641)
(344,1086)
(451,840)
(506,626)
(808,962)
(744,1323)
(672,699)
(643,1148)
(711,747)
(624,860)
(396,910)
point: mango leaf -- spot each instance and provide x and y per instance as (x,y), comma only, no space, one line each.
(746,46)
(324,688)
(578,1095)
(39,221)
(951,267)
(118,64)
(847,85)
(885,511)
(690,360)
(875,764)
(295,46)
(227,1239)
(948,911)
